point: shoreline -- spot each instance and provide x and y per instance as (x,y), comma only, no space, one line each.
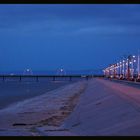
(49,109)
(14,92)
(87,108)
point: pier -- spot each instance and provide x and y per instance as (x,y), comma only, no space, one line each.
(50,77)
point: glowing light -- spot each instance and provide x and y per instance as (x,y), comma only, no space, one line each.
(134,60)
(134,56)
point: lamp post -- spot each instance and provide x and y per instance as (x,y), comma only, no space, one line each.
(132,60)
(123,69)
(124,66)
(108,72)
(128,66)
(118,72)
(120,69)
(138,65)
(115,70)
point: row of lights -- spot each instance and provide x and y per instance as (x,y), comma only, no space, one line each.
(126,69)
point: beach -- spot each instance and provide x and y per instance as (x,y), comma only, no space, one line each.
(48,109)
(96,107)
(15,91)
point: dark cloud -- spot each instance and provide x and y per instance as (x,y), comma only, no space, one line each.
(65,34)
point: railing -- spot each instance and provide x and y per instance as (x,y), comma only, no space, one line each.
(53,77)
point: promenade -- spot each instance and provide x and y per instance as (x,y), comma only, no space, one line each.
(105,108)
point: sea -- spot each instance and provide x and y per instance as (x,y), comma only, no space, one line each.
(13,90)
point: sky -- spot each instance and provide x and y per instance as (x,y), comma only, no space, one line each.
(70,36)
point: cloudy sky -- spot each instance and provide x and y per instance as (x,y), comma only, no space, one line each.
(72,36)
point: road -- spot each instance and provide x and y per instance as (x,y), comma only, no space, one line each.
(125,82)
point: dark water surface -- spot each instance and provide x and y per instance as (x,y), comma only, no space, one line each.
(14,91)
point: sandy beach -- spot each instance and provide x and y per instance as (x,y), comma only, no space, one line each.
(96,107)
(49,109)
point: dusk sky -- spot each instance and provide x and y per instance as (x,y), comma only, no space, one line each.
(72,36)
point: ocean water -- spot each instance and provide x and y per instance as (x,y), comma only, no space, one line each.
(12,91)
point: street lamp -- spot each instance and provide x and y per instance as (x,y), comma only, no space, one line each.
(123,69)
(120,69)
(130,59)
(132,64)
(118,72)
(138,65)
